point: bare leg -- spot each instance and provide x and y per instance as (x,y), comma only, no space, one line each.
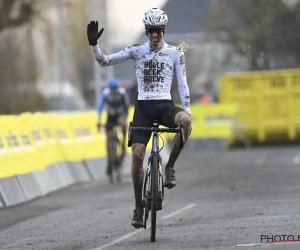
(184,119)
(137,171)
(137,175)
(122,121)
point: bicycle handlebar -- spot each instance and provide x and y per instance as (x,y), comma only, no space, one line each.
(156,129)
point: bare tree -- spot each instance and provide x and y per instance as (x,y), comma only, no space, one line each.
(264,31)
(14,78)
(28,50)
(7,10)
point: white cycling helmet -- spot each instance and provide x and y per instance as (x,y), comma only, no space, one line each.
(155,17)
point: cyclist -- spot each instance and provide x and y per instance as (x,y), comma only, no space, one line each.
(155,64)
(116,100)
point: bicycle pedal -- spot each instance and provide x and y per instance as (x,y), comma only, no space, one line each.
(168,186)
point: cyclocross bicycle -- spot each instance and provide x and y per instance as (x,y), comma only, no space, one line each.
(114,159)
(153,188)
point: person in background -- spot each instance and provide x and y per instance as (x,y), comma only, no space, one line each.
(115,99)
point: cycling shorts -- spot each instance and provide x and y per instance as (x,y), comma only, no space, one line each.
(146,111)
(112,120)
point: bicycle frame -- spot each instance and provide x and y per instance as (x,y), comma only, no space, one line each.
(112,155)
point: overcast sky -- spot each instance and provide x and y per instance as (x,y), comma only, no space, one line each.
(125,19)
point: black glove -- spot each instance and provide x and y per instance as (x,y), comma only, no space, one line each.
(92,32)
(99,125)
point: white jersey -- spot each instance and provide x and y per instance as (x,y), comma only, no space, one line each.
(154,70)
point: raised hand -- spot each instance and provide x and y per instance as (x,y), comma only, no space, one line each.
(92,32)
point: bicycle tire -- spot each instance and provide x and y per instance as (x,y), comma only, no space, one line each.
(112,157)
(118,167)
(154,191)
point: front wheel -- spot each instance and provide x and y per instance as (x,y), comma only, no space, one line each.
(112,154)
(154,189)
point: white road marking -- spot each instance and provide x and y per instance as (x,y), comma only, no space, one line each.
(248,245)
(261,159)
(139,231)
(118,240)
(178,212)
(296,159)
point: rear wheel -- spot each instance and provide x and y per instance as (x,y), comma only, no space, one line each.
(112,154)
(118,161)
(154,187)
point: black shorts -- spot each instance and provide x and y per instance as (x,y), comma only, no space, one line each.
(112,120)
(146,111)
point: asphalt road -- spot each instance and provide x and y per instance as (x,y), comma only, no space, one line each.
(223,200)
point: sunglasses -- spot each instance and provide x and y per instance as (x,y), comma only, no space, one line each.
(156,30)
